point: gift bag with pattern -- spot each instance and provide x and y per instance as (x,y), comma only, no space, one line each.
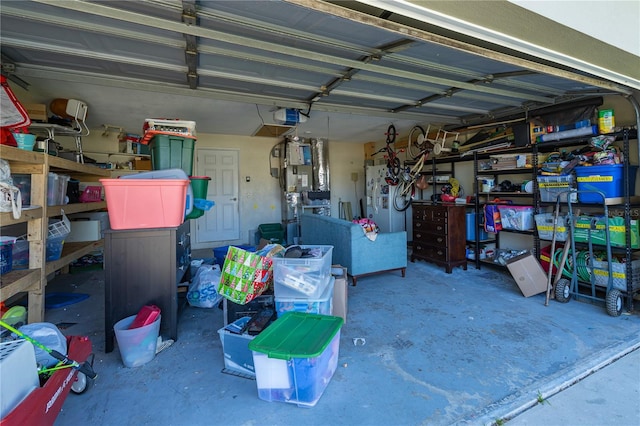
(245,275)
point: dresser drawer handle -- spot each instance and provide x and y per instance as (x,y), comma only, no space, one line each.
(418,225)
(440,252)
(440,239)
(440,228)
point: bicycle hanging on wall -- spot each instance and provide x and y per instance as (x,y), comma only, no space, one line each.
(408,181)
(391,157)
(419,141)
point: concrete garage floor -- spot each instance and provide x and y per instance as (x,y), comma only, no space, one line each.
(441,349)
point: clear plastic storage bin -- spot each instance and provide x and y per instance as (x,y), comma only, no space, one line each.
(544,224)
(305,276)
(551,186)
(519,218)
(321,305)
(295,357)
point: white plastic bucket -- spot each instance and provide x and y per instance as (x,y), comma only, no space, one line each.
(137,346)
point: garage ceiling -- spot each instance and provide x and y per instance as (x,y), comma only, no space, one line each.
(350,68)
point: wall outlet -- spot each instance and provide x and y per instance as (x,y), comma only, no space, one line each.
(354,176)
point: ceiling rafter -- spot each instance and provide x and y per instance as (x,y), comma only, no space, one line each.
(348,74)
(392,55)
(419,34)
(455,90)
(189,17)
(152,86)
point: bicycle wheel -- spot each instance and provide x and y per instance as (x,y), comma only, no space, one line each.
(394,166)
(403,195)
(415,144)
(391,134)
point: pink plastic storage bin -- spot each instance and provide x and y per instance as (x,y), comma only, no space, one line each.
(145,203)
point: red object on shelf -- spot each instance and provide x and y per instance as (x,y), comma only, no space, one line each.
(42,405)
(6,138)
(147,315)
(149,134)
(14,118)
(91,194)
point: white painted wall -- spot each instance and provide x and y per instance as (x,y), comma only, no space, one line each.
(260,198)
(614,22)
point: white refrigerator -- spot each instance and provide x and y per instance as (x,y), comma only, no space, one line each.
(380,201)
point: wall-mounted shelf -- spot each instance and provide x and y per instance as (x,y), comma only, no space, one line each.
(51,130)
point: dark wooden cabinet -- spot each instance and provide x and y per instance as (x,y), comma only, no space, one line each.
(439,234)
(144,267)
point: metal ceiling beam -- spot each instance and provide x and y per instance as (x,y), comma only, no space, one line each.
(421,88)
(176,43)
(41,72)
(189,17)
(474,75)
(89,54)
(514,40)
(75,24)
(110,12)
(19,44)
(348,74)
(407,31)
(266,59)
(288,33)
(449,93)
(9,69)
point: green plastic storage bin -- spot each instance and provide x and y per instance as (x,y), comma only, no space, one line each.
(172,152)
(200,186)
(296,356)
(272,232)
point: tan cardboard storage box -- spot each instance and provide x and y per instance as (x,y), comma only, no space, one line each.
(340,292)
(528,273)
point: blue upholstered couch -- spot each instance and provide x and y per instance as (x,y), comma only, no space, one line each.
(351,247)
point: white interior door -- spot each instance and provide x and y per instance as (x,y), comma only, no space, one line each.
(221,222)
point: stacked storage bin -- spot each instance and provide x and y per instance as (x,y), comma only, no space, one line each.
(155,200)
(172,146)
(242,324)
(304,284)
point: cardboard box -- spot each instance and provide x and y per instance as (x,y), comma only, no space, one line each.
(340,290)
(528,273)
(369,149)
(36,112)
(142,164)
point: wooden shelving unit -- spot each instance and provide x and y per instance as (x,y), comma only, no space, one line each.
(34,280)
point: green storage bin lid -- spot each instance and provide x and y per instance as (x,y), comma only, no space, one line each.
(267,227)
(297,335)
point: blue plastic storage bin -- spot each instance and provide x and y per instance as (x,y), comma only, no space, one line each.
(607,179)
(471,229)
(219,253)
